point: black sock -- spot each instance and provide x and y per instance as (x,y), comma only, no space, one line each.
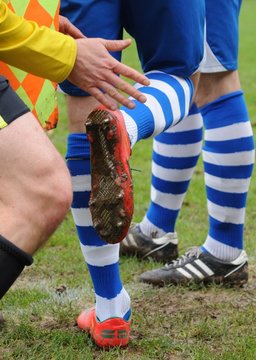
(12,262)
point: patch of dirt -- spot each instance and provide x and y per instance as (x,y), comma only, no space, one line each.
(170,307)
(51,323)
(171,299)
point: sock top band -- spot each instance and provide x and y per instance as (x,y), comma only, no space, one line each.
(12,249)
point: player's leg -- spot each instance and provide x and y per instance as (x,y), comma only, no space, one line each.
(229,148)
(112,310)
(169,185)
(228,157)
(35,188)
(112,306)
(85,16)
(228,160)
(175,155)
(168,100)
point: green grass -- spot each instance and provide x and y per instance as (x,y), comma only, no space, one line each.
(169,323)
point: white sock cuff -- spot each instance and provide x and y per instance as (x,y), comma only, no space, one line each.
(221,251)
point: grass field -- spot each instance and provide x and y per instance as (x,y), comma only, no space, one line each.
(169,323)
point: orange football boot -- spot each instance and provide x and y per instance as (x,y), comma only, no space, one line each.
(111,201)
(106,334)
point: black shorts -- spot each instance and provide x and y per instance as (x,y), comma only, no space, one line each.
(11,106)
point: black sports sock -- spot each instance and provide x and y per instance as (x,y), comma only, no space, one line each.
(12,262)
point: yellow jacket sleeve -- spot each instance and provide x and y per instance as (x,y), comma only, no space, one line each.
(36,50)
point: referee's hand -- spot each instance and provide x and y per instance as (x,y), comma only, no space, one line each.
(95,71)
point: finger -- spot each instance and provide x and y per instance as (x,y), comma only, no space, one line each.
(124,86)
(66,27)
(75,32)
(102,98)
(115,94)
(116,45)
(130,73)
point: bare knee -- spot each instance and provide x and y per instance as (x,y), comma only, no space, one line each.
(36,207)
(214,85)
(35,185)
(78,110)
(55,199)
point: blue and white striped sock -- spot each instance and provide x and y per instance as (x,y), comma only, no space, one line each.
(168,102)
(228,156)
(102,259)
(175,155)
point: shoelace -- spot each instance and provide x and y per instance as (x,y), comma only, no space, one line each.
(133,225)
(192,252)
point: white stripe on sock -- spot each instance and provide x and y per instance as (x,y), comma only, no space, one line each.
(81,183)
(82,216)
(131,127)
(116,307)
(220,250)
(226,214)
(157,112)
(234,131)
(191,122)
(234,159)
(204,267)
(187,92)
(101,255)
(236,186)
(167,201)
(172,174)
(178,150)
(171,94)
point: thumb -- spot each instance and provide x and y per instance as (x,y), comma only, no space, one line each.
(116,45)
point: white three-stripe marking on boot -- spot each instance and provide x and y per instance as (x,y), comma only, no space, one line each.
(184,273)
(204,267)
(194,271)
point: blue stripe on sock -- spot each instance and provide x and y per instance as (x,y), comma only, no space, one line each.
(127,316)
(78,167)
(88,236)
(143,118)
(193,109)
(164,103)
(78,146)
(235,111)
(142,114)
(80,199)
(221,198)
(173,162)
(229,172)
(226,233)
(103,276)
(167,219)
(204,249)
(176,85)
(106,279)
(180,137)
(230,146)
(170,187)
(227,110)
